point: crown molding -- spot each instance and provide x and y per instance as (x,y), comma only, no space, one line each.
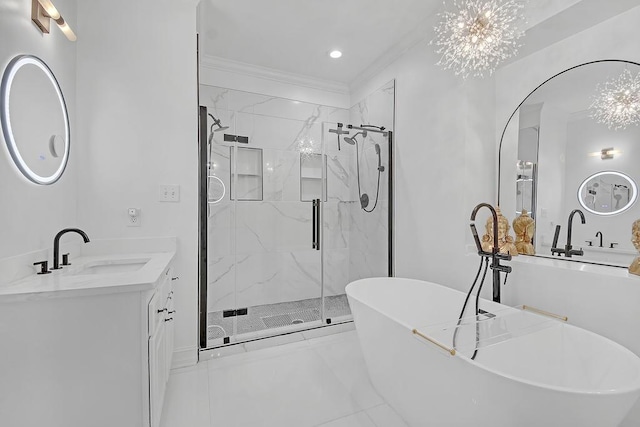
(418,34)
(255,71)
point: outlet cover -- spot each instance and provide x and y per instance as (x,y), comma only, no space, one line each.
(169,193)
(133,217)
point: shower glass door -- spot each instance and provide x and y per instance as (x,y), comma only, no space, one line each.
(278,267)
(263,238)
(285,226)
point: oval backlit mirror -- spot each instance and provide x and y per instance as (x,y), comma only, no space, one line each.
(607,193)
(216,190)
(34,118)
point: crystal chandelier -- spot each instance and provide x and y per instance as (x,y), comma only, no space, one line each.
(478,35)
(617,102)
(307,147)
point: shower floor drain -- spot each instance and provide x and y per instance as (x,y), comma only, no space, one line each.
(281,320)
(215,332)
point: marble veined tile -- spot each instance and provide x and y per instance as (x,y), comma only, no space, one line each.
(340,170)
(376,109)
(360,419)
(281,175)
(273,277)
(336,225)
(293,390)
(214,97)
(290,109)
(345,360)
(285,134)
(338,115)
(384,416)
(245,102)
(186,400)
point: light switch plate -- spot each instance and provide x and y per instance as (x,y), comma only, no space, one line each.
(169,193)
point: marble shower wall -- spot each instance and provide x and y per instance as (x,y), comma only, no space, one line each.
(259,252)
(369,234)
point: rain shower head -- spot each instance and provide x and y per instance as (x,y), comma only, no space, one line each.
(352,139)
(216,122)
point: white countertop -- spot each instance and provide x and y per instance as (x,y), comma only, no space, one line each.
(74,280)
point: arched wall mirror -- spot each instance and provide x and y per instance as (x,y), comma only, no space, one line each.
(574,143)
(34,119)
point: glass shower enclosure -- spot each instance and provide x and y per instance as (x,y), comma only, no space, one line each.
(295,203)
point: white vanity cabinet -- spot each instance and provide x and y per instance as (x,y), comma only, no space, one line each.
(87,350)
(161,315)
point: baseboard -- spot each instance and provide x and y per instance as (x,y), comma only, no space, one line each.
(183,357)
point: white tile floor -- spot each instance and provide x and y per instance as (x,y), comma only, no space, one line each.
(319,382)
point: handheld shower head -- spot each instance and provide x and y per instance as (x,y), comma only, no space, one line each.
(218,123)
(380,167)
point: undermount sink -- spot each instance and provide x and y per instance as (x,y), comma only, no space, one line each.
(113,266)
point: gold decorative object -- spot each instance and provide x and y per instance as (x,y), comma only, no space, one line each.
(505,241)
(524,228)
(635,239)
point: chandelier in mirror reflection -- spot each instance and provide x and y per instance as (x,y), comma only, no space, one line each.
(617,101)
(477,35)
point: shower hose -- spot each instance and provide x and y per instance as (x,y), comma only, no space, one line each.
(466,301)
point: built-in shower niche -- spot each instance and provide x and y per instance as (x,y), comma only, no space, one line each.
(312,180)
(247,174)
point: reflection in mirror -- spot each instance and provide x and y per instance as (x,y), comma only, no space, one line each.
(34,118)
(607,193)
(562,146)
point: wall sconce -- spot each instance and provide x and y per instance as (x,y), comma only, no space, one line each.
(606,153)
(43,11)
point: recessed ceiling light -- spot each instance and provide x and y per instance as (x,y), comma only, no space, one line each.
(335,54)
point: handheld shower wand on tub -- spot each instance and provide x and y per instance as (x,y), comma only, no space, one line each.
(495,254)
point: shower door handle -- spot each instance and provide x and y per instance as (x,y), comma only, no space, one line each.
(313,224)
(317,223)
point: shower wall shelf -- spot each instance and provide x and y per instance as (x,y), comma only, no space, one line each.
(312,185)
(248,174)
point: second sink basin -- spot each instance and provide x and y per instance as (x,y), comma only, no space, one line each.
(113,266)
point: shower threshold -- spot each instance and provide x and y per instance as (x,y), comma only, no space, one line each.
(275,319)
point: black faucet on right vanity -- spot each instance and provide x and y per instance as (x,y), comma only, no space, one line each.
(568,250)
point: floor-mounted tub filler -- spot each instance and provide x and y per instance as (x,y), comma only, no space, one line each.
(530,369)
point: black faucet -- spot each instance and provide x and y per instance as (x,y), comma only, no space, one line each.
(495,254)
(568,249)
(56,244)
(599,233)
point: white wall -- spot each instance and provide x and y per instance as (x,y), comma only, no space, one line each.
(32,214)
(138,124)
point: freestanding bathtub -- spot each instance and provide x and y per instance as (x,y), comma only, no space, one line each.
(530,370)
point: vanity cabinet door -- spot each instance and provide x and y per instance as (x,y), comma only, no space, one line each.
(161,332)
(157,373)
(169,333)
